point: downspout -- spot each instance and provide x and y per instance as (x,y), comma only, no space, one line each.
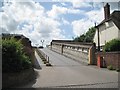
(98,40)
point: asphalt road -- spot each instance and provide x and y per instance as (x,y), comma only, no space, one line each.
(67,73)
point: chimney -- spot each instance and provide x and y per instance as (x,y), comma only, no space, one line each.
(107,11)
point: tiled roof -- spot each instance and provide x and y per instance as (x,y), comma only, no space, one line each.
(115,17)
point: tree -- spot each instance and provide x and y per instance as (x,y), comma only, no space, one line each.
(90,35)
(80,38)
(87,37)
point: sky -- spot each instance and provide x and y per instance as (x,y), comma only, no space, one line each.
(51,19)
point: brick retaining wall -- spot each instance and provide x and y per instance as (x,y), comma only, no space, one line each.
(110,58)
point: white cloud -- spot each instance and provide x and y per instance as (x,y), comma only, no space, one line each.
(8,23)
(55,11)
(82,25)
(41,24)
(46,26)
(58,10)
(38,26)
(74,11)
(80,4)
(96,15)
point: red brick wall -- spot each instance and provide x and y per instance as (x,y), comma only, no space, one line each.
(110,58)
(28,48)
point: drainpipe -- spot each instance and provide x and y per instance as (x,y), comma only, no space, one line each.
(98,40)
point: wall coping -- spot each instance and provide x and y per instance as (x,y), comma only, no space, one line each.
(116,52)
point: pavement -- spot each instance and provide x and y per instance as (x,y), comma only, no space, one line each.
(67,73)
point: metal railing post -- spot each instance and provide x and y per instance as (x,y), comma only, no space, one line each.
(48,59)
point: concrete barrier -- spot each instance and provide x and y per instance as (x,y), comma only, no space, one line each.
(77,55)
(82,52)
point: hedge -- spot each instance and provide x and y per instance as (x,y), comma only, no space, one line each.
(113,45)
(13,56)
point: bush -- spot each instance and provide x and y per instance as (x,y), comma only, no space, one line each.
(113,45)
(110,67)
(13,57)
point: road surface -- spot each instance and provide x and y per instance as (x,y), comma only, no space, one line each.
(67,73)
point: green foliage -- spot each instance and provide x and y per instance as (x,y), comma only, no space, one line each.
(13,57)
(110,67)
(90,35)
(87,37)
(113,45)
(80,38)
